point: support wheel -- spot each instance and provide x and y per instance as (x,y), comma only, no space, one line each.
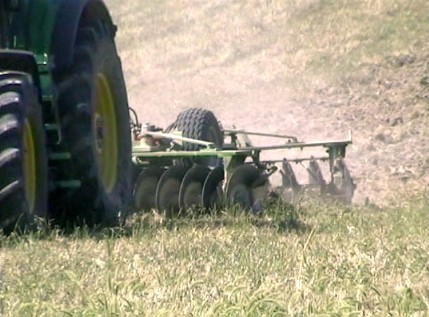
(199,124)
(94,116)
(23,160)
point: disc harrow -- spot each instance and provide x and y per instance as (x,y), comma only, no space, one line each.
(223,167)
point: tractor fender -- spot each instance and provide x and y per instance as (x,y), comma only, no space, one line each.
(69,15)
(19,61)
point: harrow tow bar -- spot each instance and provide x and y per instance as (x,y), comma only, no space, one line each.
(271,135)
(175,137)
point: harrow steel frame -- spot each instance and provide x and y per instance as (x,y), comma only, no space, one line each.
(243,177)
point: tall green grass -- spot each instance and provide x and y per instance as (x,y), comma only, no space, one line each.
(313,260)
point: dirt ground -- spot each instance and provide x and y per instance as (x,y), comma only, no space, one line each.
(235,60)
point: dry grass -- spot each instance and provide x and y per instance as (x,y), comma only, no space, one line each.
(315,68)
(319,42)
(316,260)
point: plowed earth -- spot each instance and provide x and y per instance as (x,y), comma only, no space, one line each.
(314,69)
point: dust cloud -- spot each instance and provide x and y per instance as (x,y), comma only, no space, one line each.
(255,65)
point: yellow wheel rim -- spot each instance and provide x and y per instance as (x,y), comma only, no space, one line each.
(106,133)
(29,165)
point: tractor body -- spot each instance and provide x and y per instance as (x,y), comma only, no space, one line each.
(46,29)
(52,45)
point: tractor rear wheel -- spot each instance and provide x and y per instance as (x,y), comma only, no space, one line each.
(200,124)
(23,158)
(94,116)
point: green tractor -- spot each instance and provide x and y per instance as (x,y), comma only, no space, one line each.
(65,145)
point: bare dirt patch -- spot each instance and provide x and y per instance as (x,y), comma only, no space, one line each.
(311,68)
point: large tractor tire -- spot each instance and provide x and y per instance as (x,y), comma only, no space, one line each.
(200,124)
(94,116)
(23,158)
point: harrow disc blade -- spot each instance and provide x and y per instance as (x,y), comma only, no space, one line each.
(242,186)
(212,188)
(167,191)
(191,189)
(145,188)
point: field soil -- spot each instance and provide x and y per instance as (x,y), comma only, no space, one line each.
(314,69)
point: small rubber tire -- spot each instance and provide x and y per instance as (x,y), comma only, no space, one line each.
(199,124)
(23,157)
(95,123)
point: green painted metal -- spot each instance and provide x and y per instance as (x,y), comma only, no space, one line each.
(32,27)
(36,21)
(163,154)
(142,153)
(335,149)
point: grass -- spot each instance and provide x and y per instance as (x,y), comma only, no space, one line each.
(314,259)
(321,42)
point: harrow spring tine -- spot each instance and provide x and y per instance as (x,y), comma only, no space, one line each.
(191,189)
